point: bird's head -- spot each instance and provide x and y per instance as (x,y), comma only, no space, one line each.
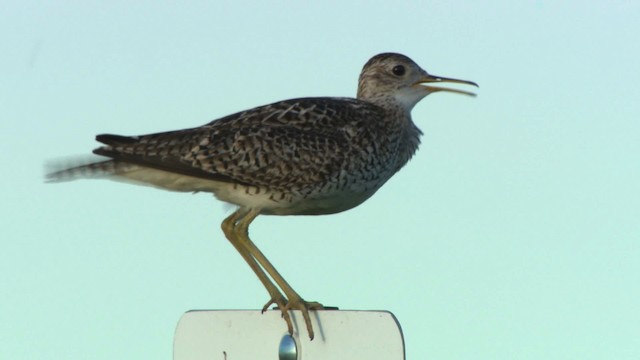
(395,77)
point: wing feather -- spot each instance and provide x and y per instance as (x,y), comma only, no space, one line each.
(302,141)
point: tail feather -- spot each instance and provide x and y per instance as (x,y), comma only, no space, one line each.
(113,140)
(67,171)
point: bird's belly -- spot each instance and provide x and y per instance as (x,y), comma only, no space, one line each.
(324,200)
(329,204)
(277,203)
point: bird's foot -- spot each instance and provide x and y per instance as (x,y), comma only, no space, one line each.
(297,303)
(281,303)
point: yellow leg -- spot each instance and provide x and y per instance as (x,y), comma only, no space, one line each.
(295,301)
(230,231)
(236,229)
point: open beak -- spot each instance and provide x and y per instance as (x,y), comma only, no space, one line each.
(429,79)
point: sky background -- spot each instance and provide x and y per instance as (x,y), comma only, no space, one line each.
(514,232)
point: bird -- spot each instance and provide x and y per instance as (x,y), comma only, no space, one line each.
(303,156)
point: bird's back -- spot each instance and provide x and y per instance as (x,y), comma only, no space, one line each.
(329,153)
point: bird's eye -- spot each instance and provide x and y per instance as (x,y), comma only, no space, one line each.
(398,70)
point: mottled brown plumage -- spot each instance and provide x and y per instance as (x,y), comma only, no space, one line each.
(294,157)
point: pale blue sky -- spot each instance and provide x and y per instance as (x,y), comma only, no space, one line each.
(513,233)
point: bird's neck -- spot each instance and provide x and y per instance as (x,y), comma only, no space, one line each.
(398,122)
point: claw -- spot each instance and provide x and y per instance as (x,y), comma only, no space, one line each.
(281,303)
(304,307)
(266,306)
